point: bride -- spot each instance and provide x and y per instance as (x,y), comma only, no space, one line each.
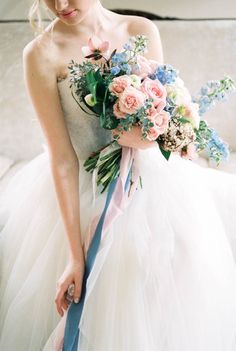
(164,276)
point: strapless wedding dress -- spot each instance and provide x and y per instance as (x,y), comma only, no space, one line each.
(164,277)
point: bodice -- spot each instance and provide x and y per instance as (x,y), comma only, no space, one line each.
(85,131)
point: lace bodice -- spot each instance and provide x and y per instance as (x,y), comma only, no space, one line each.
(85,132)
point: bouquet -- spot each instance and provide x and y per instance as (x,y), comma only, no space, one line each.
(125,89)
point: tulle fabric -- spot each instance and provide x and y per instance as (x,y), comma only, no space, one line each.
(33,254)
(164,278)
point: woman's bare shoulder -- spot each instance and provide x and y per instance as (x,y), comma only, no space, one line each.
(137,25)
(141,25)
(38,45)
(39,54)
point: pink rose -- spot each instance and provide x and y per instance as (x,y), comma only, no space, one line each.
(144,67)
(151,112)
(191,152)
(154,65)
(119,84)
(160,121)
(131,100)
(153,133)
(155,90)
(117,112)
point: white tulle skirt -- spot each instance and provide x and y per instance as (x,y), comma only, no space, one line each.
(164,278)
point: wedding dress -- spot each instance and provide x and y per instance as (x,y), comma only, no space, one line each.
(164,277)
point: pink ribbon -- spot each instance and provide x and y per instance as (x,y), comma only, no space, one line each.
(121,198)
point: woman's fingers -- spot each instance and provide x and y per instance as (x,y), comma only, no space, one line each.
(69,285)
(77,292)
(65,303)
(60,298)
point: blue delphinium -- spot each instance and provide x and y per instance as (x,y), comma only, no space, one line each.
(126,68)
(214,90)
(216,148)
(205,103)
(128,46)
(119,58)
(121,64)
(115,70)
(166,74)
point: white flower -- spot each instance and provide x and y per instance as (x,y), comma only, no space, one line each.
(179,82)
(179,93)
(90,100)
(136,80)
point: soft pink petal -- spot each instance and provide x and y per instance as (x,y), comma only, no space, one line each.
(86,50)
(160,106)
(96,42)
(91,45)
(104,46)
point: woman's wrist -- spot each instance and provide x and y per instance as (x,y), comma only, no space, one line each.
(76,255)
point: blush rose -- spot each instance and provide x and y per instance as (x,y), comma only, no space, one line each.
(119,84)
(155,90)
(160,121)
(131,100)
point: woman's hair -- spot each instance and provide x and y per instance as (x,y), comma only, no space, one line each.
(35,17)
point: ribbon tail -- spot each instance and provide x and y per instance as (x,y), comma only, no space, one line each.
(116,201)
(71,336)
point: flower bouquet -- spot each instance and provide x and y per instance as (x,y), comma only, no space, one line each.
(125,89)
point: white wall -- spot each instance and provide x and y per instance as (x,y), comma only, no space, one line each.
(180,8)
(17,9)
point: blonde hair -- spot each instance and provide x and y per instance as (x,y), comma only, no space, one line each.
(35,17)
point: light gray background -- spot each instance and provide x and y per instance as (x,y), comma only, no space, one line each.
(17,9)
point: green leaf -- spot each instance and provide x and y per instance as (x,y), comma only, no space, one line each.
(98,108)
(165,153)
(91,82)
(101,91)
(108,121)
(93,78)
(183,120)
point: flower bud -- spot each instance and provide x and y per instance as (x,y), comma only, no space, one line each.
(90,100)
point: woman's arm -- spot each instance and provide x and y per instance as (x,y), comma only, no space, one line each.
(40,80)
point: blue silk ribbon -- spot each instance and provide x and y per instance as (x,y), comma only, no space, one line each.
(71,334)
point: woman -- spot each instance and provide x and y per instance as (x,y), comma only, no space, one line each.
(164,277)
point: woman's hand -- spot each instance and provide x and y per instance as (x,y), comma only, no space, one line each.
(73,274)
(133,138)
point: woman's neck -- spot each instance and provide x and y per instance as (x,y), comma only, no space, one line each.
(96,21)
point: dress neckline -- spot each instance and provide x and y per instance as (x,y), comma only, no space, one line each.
(60,84)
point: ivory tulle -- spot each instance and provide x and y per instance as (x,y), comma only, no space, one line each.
(164,278)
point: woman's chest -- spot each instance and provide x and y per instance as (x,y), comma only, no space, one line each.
(73,50)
